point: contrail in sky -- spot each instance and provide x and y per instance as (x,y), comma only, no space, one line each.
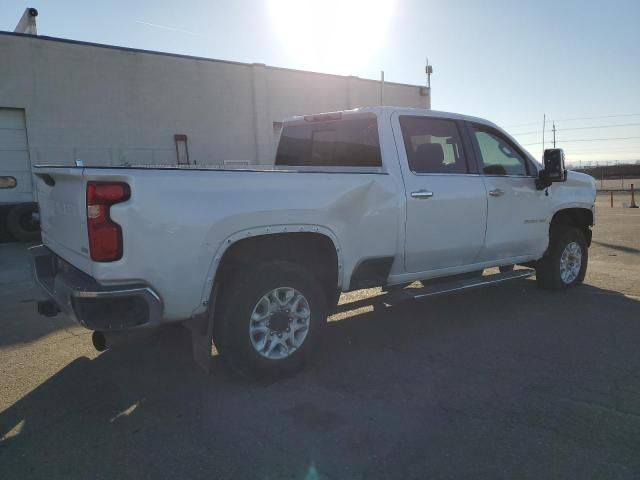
(166,27)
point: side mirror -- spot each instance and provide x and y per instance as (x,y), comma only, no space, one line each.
(554,165)
(554,170)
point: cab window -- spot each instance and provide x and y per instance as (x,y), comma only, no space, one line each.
(433,145)
(497,155)
(340,143)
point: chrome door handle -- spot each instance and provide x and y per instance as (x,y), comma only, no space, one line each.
(496,192)
(422,194)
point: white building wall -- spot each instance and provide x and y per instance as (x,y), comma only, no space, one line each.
(114,106)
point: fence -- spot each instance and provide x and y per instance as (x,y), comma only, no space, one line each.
(617,183)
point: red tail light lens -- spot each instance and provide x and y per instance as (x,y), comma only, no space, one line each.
(105,236)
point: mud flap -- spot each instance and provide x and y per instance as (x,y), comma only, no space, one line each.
(202,335)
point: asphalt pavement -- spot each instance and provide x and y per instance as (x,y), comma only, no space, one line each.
(507,382)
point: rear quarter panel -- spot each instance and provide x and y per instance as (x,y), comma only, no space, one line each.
(177,224)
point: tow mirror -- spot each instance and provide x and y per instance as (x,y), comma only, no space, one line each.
(554,165)
(554,170)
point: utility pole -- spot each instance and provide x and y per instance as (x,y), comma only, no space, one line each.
(554,134)
(544,125)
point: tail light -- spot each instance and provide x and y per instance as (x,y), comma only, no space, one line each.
(105,236)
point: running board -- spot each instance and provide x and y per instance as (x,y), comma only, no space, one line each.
(434,287)
(443,287)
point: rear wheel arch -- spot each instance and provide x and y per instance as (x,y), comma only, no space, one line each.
(316,251)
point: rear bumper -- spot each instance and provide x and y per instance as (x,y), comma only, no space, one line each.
(92,305)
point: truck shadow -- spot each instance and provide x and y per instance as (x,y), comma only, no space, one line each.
(498,359)
(19,320)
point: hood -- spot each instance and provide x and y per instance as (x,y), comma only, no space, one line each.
(581,180)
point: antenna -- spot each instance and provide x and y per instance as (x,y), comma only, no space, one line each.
(554,134)
(429,71)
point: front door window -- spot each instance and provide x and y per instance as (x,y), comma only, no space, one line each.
(498,156)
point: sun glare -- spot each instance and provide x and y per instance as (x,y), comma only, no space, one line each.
(336,36)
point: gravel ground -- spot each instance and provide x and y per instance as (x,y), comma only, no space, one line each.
(508,382)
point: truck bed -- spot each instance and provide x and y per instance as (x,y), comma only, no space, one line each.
(179,220)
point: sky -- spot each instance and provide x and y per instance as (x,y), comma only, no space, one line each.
(577,62)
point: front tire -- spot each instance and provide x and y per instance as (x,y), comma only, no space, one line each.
(271,319)
(565,263)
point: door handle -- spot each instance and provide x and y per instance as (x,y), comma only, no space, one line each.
(496,192)
(421,194)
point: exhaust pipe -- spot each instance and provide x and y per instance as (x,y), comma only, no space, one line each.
(104,340)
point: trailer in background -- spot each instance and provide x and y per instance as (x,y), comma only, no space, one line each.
(16,192)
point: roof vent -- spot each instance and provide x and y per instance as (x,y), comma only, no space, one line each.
(27,23)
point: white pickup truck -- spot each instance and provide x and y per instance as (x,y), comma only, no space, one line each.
(255,260)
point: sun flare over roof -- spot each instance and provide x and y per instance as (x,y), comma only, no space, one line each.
(336,36)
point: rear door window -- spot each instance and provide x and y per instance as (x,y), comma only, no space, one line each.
(433,145)
(337,143)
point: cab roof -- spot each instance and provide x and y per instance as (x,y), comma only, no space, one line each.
(379,111)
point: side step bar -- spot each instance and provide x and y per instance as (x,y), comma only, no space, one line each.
(470,283)
(439,287)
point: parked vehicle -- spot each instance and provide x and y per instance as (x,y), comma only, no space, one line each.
(19,211)
(255,260)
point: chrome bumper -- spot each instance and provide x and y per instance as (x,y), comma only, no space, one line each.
(92,305)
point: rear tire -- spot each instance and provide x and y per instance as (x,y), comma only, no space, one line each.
(21,224)
(271,318)
(565,263)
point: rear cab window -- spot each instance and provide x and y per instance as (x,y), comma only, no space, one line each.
(348,142)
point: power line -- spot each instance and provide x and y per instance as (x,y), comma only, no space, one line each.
(586,140)
(577,118)
(599,126)
(601,116)
(532,132)
(522,125)
(604,149)
(537,132)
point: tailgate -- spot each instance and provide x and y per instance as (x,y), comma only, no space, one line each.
(61,194)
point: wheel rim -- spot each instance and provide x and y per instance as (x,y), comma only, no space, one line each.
(279,323)
(570,262)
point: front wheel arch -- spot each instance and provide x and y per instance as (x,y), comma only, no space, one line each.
(578,217)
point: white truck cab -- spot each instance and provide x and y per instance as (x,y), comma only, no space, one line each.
(255,260)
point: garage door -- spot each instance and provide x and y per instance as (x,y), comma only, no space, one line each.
(14,156)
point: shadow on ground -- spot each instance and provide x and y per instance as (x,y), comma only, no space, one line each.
(510,382)
(19,321)
(621,248)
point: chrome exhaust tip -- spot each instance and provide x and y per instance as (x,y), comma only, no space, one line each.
(99,341)
(105,340)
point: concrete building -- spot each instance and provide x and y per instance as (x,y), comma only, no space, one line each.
(64,100)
